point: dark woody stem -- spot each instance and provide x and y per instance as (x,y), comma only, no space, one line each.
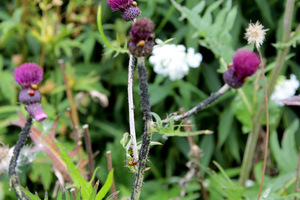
(13,176)
(213,97)
(146,138)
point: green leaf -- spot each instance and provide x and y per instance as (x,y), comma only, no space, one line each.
(225,124)
(30,195)
(67,195)
(46,196)
(104,190)
(265,10)
(103,37)
(59,195)
(77,178)
(42,172)
(159,93)
(285,163)
(177,133)
(94,192)
(78,195)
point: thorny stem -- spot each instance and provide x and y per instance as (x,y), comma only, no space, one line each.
(131,106)
(146,138)
(213,97)
(253,136)
(110,167)
(297,176)
(267,125)
(13,176)
(89,150)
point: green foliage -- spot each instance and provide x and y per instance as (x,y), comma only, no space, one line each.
(92,41)
(88,192)
(170,130)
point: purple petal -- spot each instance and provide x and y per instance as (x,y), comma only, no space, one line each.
(27,74)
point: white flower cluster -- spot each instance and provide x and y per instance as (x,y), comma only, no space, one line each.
(285,88)
(172,61)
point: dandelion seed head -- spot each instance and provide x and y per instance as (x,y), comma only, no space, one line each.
(255,34)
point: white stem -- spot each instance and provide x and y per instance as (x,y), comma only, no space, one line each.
(131,106)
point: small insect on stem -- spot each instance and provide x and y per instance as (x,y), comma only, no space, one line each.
(134,3)
(132,162)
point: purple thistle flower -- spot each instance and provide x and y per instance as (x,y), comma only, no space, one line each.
(141,41)
(128,8)
(29,75)
(245,63)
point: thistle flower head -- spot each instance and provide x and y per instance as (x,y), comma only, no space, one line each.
(141,41)
(28,74)
(245,63)
(255,34)
(128,8)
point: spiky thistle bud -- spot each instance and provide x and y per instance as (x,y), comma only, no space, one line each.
(245,63)
(29,75)
(141,41)
(128,8)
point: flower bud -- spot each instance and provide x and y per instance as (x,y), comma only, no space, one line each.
(231,79)
(26,98)
(36,111)
(141,41)
(29,75)
(128,8)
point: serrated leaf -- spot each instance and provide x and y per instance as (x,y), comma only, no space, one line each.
(105,188)
(30,195)
(77,178)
